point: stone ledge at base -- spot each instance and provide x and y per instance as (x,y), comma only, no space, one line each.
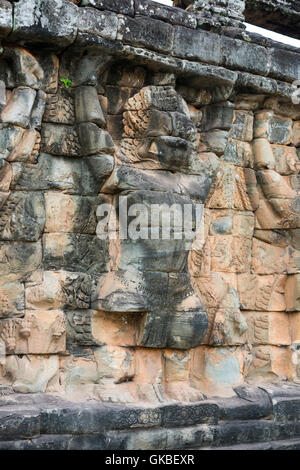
(266,417)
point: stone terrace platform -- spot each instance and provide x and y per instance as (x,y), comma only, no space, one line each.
(256,418)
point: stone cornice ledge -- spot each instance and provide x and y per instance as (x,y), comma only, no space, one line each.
(60,23)
(264,417)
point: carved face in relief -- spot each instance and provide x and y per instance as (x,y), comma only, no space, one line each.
(158,133)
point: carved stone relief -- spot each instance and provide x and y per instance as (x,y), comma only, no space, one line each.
(127,320)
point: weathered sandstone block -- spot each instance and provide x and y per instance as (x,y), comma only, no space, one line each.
(178,386)
(19,107)
(18,259)
(32,374)
(59,21)
(268,259)
(96,22)
(87,106)
(10,137)
(184,330)
(117,98)
(18,144)
(279,206)
(126,6)
(216,141)
(263,293)
(238,152)
(229,327)
(103,375)
(165,13)
(23,67)
(270,363)
(229,190)
(75,252)
(78,376)
(268,328)
(65,213)
(292,293)
(263,154)
(140,32)
(22,217)
(5,177)
(60,140)
(294,319)
(40,332)
(218,117)
(277,129)
(286,158)
(149,375)
(49,65)
(229,222)
(242,126)
(28,148)
(296,134)
(230,254)
(82,176)
(215,371)
(12,299)
(235,53)
(61,290)
(127,75)
(131,291)
(60,108)
(115,329)
(94,140)
(79,327)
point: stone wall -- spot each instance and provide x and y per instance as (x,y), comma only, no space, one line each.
(136,99)
(281,16)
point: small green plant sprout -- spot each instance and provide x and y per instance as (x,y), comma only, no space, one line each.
(66,82)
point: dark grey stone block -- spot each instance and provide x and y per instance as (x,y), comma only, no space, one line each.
(94,22)
(235,409)
(217,116)
(286,409)
(22,217)
(73,176)
(257,84)
(176,331)
(190,415)
(242,55)
(197,44)
(79,328)
(126,7)
(18,425)
(80,253)
(128,178)
(165,13)
(58,28)
(285,65)
(153,34)
(131,291)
